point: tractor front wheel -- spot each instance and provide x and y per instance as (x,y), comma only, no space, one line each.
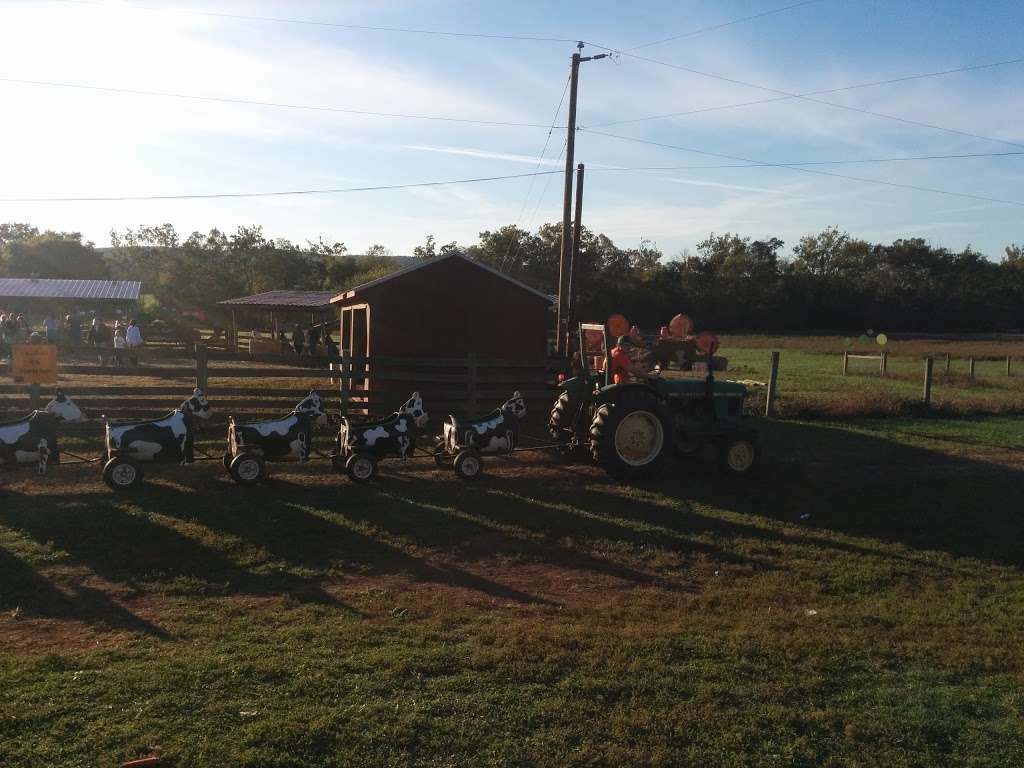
(738,456)
(629,437)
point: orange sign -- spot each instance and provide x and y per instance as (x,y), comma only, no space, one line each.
(34,363)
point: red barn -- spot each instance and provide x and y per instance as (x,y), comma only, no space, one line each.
(445,307)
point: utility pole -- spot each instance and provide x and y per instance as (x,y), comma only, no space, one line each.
(570,146)
(574,259)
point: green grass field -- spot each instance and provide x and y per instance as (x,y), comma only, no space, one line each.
(811,384)
(858,602)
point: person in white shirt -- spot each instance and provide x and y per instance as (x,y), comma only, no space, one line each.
(133,336)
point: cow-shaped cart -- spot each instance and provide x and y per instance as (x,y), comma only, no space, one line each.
(32,439)
(289,438)
(165,441)
(465,441)
(360,445)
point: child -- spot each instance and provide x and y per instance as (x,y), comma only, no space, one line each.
(120,345)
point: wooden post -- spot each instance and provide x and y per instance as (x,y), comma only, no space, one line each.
(471,384)
(971,369)
(947,362)
(883,365)
(33,397)
(1008,373)
(202,376)
(769,403)
(344,381)
(233,346)
(846,362)
(927,381)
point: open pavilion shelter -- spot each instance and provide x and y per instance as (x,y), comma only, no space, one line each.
(280,308)
(38,296)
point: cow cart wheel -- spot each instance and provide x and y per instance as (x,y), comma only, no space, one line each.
(361,467)
(628,438)
(468,465)
(247,469)
(738,456)
(227,460)
(121,474)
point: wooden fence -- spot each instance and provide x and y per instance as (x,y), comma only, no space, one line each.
(255,386)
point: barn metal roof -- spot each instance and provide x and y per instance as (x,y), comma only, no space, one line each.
(52,288)
(429,262)
(284,300)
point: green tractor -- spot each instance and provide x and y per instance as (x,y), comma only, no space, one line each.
(633,429)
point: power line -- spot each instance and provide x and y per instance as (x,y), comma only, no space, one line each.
(220,195)
(329,24)
(274,104)
(723,25)
(544,149)
(855,86)
(791,95)
(801,169)
(810,162)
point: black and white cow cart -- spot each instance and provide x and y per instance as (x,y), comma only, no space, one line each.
(165,441)
(32,439)
(289,438)
(464,442)
(360,445)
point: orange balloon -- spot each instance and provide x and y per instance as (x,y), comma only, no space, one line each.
(618,325)
(707,342)
(680,326)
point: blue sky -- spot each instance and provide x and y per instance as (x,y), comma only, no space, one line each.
(70,142)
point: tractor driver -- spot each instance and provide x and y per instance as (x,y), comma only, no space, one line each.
(624,367)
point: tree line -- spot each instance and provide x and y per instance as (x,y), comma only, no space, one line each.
(826,281)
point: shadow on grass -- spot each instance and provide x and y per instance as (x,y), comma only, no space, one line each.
(870,486)
(32,595)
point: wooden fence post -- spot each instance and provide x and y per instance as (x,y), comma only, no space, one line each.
(344,379)
(971,369)
(1008,373)
(202,377)
(883,365)
(33,397)
(846,362)
(927,381)
(773,375)
(471,383)
(947,362)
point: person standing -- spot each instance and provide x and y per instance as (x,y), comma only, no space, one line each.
(99,338)
(51,328)
(297,339)
(330,348)
(133,337)
(312,340)
(120,345)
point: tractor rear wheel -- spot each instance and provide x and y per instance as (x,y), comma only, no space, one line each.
(629,438)
(560,427)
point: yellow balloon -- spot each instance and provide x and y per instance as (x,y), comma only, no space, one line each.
(882,339)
